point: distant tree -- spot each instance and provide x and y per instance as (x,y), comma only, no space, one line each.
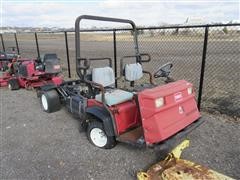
(225,30)
(151,33)
(163,32)
(131,32)
(141,31)
(176,31)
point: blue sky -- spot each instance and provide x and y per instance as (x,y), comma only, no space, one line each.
(62,13)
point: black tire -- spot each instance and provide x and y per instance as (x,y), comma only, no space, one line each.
(38,92)
(5,67)
(110,140)
(50,101)
(13,84)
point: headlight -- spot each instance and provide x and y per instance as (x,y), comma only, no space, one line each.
(190,90)
(159,102)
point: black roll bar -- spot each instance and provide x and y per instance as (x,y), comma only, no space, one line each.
(99,18)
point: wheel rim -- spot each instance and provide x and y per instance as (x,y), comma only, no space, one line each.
(44,102)
(98,137)
(9,86)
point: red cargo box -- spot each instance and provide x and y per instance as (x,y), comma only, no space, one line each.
(167,109)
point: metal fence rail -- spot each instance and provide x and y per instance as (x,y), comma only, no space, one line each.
(206,55)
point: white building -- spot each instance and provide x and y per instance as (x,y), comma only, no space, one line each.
(2,31)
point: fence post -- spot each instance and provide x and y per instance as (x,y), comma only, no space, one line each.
(36,39)
(3,46)
(115,55)
(15,36)
(205,43)
(67,51)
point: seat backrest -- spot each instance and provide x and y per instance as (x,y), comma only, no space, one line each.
(133,72)
(104,76)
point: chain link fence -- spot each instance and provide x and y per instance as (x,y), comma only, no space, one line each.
(208,56)
(221,90)
(184,48)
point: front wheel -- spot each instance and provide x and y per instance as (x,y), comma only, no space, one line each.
(50,101)
(13,84)
(98,137)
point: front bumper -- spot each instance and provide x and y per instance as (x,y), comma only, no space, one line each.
(175,139)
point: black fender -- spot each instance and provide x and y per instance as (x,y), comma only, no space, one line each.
(103,115)
(47,87)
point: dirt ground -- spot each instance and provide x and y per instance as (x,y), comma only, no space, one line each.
(37,145)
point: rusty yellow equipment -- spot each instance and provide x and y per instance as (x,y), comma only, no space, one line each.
(174,168)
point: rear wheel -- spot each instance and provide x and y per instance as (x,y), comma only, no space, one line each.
(13,84)
(50,101)
(98,137)
(5,67)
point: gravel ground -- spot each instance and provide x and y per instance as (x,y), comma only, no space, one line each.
(37,145)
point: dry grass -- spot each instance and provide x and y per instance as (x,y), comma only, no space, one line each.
(125,36)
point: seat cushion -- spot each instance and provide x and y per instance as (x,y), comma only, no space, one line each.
(115,96)
(104,76)
(133,72)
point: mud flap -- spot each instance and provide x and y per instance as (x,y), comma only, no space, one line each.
(104,116)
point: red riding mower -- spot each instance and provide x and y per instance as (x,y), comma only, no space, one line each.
(6,58)
(32,73)
(144,115)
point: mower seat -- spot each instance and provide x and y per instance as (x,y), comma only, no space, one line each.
(133,72)
(115,96)
(105,76)
(51,64)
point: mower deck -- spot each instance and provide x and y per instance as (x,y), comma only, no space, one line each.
(173,167)
(4,79)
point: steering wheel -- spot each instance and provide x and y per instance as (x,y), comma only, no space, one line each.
(163,71)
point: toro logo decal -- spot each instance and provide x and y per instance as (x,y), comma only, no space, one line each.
(178,96)
(56,67)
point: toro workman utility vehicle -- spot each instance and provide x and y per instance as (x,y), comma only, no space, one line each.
(32,73)
(147,114)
